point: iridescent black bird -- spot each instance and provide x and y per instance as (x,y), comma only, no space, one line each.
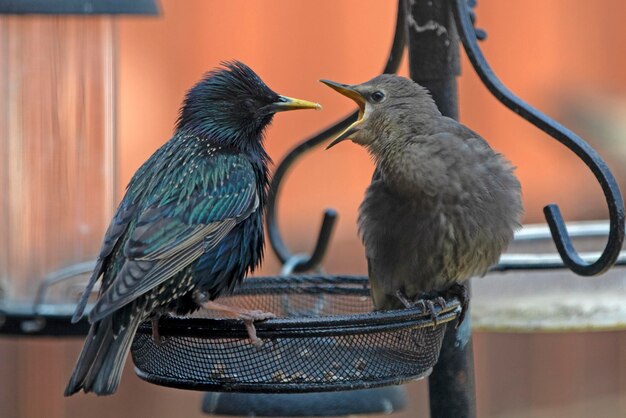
(190,226)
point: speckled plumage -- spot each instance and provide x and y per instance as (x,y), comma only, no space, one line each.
(443,206)
(190,221)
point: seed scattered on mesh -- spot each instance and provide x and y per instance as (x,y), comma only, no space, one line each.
(279,376)
(218,370)
(298,377)
(330,376)
(360,364)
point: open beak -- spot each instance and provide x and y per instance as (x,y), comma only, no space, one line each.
(350,92)
(285,103)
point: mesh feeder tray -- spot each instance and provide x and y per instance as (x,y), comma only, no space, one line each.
(325,338)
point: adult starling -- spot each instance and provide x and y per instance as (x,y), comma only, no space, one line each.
(190,225)
(443,205)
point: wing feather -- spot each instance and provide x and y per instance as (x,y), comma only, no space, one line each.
(169,236)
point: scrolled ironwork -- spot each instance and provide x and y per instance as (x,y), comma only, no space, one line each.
(576,263)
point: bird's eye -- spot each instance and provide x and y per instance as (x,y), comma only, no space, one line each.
(378,96)
(249,104)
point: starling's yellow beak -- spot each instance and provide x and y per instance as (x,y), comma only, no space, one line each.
(350,92)
(285,103)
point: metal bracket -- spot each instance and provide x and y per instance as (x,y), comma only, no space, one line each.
(584,151)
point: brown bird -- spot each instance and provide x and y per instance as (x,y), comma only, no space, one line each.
(443,205)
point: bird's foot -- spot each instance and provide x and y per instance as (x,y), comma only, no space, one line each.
(429,305)
(460,292)
(249,317)
(255,315)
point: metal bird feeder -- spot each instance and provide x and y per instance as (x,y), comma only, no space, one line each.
(326,338)
(48,118)
(57,122)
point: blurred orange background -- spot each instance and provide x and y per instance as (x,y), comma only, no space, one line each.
(544,51)
(549,52)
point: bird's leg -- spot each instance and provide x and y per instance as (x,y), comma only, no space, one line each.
(404,299)
(156,336)
(249,317)
(460,292)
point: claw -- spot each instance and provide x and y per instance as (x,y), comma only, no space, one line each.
(249,318)
(251,329)
(440,302)
(255,315)
(431,309)
(460,292)
(421,303)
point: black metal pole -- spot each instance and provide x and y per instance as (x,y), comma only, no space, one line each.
(434,51)
(434,63)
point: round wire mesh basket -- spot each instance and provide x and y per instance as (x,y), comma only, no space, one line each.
(325,337)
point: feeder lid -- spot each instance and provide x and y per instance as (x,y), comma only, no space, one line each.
(80,7)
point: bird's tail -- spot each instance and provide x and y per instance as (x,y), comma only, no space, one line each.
(101,362)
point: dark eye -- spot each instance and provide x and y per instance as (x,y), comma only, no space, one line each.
(250,104)
(377,96)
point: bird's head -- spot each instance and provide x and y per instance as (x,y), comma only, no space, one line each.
(387,103)
(233,106)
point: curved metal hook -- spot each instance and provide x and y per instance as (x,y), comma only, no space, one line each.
(330,216)
(583,150)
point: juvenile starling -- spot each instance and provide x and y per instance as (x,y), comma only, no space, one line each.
(443,205)
(190,225)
